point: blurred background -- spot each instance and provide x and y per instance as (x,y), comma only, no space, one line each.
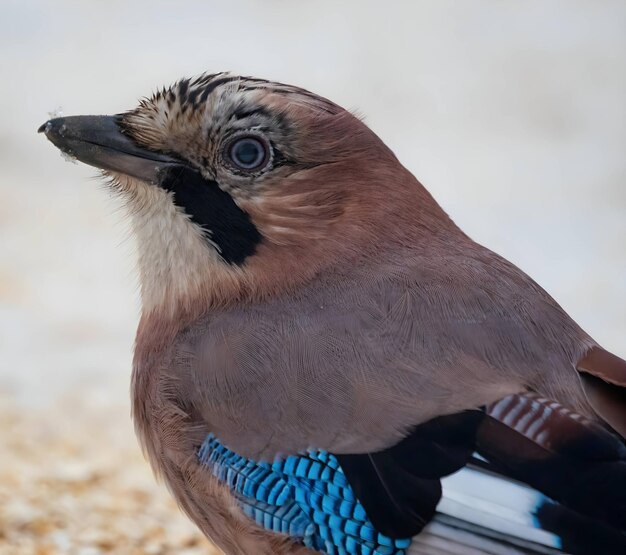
(512,113)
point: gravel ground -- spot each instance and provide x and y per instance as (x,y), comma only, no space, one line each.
(74,482)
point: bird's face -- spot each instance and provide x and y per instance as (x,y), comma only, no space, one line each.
(237,186)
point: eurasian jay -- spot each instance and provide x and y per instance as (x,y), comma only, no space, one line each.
(320,344)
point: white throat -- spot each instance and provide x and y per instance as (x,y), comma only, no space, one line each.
(175,260)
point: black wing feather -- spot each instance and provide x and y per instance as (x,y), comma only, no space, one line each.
(400,487)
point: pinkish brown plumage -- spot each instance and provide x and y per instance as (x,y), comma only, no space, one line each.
(322,300)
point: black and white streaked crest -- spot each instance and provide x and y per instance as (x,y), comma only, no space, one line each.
(190,93)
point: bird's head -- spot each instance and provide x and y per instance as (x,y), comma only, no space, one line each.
(239,188)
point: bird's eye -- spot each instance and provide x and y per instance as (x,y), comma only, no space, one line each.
(249,153)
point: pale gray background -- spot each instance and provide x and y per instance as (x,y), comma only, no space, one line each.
(512,113)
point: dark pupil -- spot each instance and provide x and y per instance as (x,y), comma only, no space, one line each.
(248,153)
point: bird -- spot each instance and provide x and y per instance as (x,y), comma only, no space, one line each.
(320,345)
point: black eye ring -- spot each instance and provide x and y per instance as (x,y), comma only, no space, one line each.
(249,153)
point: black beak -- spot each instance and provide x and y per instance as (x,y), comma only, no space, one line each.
(100,141)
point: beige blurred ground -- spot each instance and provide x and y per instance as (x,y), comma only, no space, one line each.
(72,480)
(512,113)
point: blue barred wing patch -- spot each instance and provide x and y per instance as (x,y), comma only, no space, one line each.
(307,497)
